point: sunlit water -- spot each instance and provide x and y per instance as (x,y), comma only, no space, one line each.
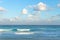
(32,32)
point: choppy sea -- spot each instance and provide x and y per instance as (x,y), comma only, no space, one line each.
(29,32)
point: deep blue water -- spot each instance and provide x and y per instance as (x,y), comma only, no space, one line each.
(41,32)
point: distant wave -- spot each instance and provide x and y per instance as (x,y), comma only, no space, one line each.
(17,31)
(4,30)
(25,33)
(23,29)
(14,30)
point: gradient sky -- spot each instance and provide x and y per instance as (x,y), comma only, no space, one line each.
(30,12)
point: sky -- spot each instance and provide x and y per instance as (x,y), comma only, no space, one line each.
(29,12)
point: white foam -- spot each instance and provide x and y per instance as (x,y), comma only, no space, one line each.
(23,29)
(3,30)
(24,33)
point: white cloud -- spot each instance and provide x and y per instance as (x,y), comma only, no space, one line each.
(33,18)
(2,9)
(15,19)
(12,20)
(58,5)
(41,6)
(55,18)
(30,17)
(24,11)
(38,7)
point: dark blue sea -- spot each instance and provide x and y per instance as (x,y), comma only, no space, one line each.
(29,32)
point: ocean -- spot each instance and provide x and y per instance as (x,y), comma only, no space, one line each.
(29,32)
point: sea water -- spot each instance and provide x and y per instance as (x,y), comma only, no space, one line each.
(30,32)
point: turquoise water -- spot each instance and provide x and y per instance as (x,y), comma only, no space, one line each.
(40,32)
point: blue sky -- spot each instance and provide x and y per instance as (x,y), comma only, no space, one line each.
(30,12)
